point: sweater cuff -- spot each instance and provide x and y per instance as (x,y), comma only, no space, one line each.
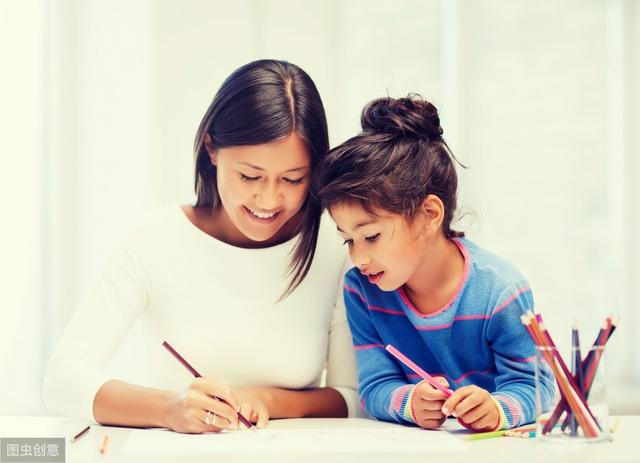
(510,408)
(502,418)
(400,405)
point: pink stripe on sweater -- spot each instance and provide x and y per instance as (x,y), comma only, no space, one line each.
(469,373)
(463,280)
(354,291)
(375,308)
(509,300)
(523,360)
(456,380)
(368,346)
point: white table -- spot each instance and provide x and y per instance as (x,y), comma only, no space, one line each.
(497,450)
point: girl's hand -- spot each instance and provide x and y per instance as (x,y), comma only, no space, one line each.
(474,408)
(198,410)
(254,405)
(426,404)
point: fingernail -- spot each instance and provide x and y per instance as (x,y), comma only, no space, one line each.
(445,410)
(454,414)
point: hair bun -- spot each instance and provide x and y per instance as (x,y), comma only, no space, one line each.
(409,117)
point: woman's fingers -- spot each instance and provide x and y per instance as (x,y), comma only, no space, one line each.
(263,417)
(219,389)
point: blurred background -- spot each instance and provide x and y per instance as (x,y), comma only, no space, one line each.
(100,102)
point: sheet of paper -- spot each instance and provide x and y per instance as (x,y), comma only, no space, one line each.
(397,439)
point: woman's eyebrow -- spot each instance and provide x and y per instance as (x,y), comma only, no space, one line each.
(262,169)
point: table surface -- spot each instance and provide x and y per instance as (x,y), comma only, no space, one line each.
(497,450)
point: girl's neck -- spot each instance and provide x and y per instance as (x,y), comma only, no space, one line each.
(438,277)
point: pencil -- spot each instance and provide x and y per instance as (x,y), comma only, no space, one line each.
(423,374)
(105,441)
(80,434)
(195,373)
(486,435)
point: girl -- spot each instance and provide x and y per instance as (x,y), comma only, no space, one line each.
(446,303)
(207,278)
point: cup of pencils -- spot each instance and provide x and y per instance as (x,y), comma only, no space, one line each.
(579,411)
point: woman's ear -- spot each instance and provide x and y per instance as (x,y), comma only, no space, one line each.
(208,144)
(433,211)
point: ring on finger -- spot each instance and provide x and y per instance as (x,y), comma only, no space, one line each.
(206,418)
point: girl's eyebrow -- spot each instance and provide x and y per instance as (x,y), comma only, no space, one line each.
(262,170)
(358,225)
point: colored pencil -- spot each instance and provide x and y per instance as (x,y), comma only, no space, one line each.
(195,373)
(105,441)
(565,381)
(423,374)
(80,434)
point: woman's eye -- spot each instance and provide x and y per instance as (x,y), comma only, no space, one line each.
(294,181)
(246,178)
(373,237)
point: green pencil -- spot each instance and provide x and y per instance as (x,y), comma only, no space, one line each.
(486,435)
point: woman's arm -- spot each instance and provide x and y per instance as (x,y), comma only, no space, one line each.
(323,402)
(76,370)
(123,404)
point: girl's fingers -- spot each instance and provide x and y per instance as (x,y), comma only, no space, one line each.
(484,423)
(458,396)
(430,404)
(474,414)
(468,403)
(430,415)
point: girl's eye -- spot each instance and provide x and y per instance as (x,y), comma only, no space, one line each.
(373,237)
(246,178)
(348,242)
(296,181)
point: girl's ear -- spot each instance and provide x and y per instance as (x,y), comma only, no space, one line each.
(213,154)
(433,211)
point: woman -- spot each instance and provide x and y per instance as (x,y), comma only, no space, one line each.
(243,284)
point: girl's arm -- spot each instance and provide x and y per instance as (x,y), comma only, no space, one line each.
(384,391)
(514,354)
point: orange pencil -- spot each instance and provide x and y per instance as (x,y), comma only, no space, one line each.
(105,441)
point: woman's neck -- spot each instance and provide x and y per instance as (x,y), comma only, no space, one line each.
(216,223)
(438,278)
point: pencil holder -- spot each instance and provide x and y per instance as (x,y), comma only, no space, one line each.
(579,411)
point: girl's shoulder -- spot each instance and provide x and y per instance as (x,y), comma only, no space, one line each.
(490,267)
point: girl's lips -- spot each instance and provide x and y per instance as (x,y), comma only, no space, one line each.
(374,279)
(260,219)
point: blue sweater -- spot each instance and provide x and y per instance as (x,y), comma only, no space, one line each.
(476,338)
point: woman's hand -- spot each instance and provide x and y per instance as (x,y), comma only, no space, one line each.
(474,408)
(426,404)
(254,405)
(198,410)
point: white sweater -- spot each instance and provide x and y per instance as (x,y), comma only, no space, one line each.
(216,305)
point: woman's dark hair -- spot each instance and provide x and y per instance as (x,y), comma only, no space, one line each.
(397,160)
(260,102)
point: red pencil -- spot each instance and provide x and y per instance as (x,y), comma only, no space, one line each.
(195,373)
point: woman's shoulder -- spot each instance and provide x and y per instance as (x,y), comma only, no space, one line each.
(156,225)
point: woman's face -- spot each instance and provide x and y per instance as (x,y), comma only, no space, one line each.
(263,186)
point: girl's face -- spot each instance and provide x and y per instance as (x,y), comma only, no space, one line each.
(262,187)
(387,249)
